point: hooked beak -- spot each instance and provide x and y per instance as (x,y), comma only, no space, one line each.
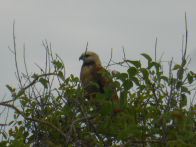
(81,58)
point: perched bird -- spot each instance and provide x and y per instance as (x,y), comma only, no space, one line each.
(94,78)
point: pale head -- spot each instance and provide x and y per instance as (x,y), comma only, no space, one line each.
(90,58)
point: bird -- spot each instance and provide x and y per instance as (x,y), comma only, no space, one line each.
(93,76)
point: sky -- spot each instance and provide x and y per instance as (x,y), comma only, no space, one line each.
(105,24)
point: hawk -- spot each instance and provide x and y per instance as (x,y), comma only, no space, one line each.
(94,78)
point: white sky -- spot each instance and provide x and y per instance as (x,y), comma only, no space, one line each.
(105,24)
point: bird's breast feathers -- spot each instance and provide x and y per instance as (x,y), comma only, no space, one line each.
(91,74)
(86,74)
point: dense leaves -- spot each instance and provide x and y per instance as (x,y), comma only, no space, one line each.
(153,109)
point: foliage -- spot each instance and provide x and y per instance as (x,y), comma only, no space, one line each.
(152,108)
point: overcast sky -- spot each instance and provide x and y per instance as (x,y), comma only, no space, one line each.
(105,24)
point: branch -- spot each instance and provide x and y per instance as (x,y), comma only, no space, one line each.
(72,126)
(33,119)
(86,47)
(130,143)
(91,124)
(110,58)
(15,55)
(186,41)
(155,50)
(36,78)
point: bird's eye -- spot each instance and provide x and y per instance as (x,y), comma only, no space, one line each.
(86,56)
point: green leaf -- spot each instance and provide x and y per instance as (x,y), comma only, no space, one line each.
(164,78)
(23,102)
(34,76)
(44,82)
(132,71)
(183,101)
(3,143)
(156,65)
(20,93)
(135,63)
(177,66)
(127,84)
(61,75)
(185,89)
(178,85)
(73,78)
(19,122)
(57,64)
(135,80)
(116,84)
(145,73)
(70,145)
(10,88)
(123,98)
(4,134)
(11,122)
(106,108)
(190,78)
(147,57)
(94,84)
(150,65)
(121,76)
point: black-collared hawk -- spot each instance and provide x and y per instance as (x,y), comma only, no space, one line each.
(93,72)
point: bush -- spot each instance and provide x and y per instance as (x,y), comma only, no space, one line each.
(152,110)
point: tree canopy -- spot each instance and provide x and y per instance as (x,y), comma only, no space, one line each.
(155,108)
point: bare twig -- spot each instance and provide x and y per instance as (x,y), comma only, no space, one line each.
(91,124)
(64,72)
(25,63)
(72,126)
(124,57)
(155,56)
(133,142)
(118,63)
(171,86)
(110,58)
(15,55)
(186,37)
(36,78)
(33,119)
(86,47)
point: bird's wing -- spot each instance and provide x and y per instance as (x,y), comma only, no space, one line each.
(103,80)
(101,77)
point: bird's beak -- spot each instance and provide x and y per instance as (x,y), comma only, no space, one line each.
(81,57)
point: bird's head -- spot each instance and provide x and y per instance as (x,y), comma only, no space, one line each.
(90,58)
